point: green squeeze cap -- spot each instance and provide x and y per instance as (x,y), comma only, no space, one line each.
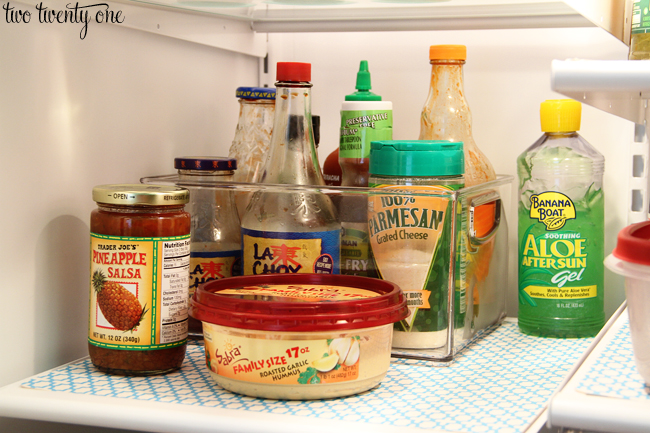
(363,86)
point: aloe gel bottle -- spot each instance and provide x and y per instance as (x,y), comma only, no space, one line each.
(561,229)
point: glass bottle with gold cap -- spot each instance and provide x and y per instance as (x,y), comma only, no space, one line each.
(446,114)
(561,236)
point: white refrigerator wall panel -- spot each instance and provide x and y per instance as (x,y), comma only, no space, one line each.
(122,103)
(119,105)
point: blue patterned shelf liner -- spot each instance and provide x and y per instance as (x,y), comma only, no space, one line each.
(498,384)
(613,373)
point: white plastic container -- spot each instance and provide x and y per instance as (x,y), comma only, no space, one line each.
(631,258)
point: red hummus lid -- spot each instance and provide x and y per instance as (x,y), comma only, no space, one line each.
(299,302)
(633,244)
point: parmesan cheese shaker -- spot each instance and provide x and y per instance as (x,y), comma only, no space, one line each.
(411,229)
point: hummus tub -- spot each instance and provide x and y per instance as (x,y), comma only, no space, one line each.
(298,336)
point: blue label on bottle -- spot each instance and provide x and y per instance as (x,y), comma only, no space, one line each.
(290,252)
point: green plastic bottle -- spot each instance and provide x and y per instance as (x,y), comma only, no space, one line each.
(561,229)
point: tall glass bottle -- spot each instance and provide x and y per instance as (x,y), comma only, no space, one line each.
(253,132)
(561,229)
(292,231)
(446,114)
(250,145)
(215,249)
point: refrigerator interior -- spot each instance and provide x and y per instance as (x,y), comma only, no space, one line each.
(122,103)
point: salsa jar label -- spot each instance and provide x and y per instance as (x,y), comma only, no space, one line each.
(267,252)
(138,292)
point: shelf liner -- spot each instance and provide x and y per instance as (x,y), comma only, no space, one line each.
(498,384)
(613,373)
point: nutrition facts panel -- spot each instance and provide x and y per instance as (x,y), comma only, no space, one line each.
(173,290)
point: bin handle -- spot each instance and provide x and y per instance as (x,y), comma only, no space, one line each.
(489,197)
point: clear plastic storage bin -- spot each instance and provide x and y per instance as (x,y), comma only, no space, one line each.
(466,269)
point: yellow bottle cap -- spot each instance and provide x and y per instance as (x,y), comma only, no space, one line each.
(560,115)
(447,52)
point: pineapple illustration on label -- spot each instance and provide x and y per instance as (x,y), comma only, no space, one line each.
(118,306)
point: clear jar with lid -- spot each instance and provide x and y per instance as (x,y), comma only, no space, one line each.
(216,237)
(250,144)
(140,251)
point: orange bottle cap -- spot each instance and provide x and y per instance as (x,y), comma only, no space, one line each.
(447,52)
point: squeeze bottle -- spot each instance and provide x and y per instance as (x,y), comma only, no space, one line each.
(365,118)
(561,222)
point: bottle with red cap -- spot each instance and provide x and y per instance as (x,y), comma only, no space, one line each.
(291,230)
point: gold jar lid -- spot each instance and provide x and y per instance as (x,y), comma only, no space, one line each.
(142,195)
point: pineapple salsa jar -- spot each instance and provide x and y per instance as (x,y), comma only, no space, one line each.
(139,271)
(298,336)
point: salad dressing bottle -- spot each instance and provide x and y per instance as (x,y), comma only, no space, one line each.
(446,114)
